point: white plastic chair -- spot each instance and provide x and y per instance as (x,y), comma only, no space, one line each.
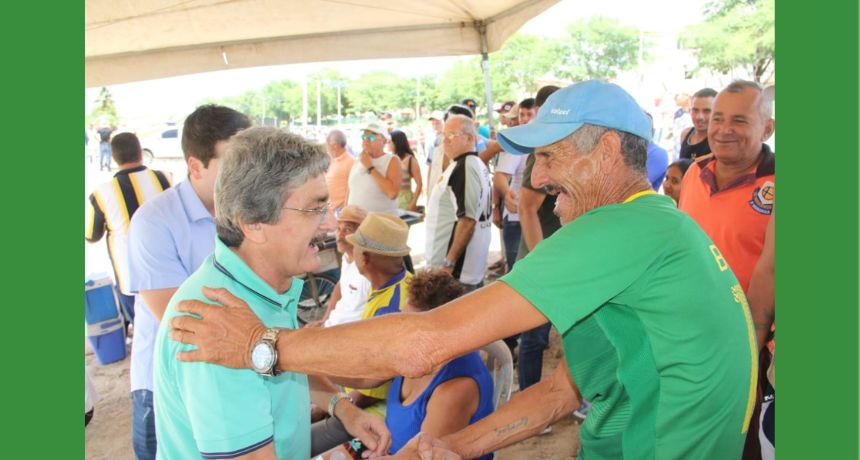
(501,367)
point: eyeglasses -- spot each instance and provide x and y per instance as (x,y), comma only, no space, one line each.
(322,211)
(453,135)
(370,137)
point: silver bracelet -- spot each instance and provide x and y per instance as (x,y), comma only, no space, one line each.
(332,403)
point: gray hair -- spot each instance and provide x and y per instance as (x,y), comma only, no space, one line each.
(467,126)
(260,169)
(338,137)
(634,149)
(765,106)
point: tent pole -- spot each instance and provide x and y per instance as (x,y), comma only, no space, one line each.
(485,66)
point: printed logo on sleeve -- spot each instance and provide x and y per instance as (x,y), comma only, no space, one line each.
(762,198)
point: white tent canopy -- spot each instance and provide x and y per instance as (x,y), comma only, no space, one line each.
(137,40)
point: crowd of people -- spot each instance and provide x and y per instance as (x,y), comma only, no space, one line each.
(664,301)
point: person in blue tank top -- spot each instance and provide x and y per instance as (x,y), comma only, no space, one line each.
(458,395)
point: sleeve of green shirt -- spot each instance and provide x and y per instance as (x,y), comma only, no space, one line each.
(229,409)
(582,266)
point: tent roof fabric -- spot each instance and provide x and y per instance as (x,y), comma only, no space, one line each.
(133,40)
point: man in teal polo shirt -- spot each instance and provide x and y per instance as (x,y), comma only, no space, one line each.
(271,201)
(669,365)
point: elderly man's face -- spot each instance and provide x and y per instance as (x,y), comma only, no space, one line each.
(438,125)
(344,229)
(578,179)
(737,128)
(291,242)
(373,142)
(332,148)
(455,140)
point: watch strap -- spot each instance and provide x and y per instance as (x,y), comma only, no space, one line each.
(270,337)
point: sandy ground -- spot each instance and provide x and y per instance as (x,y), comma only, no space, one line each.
(108,436)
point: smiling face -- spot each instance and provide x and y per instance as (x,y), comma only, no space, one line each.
(290,243)
(581,181)
(737,128)
(700,111)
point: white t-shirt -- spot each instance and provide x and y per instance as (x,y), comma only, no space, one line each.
(354,290)
(512,165)
(463,190)
(678,126)
(90,395)
(364,191)
(436,165)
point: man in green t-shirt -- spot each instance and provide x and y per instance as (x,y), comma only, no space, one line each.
(668,364)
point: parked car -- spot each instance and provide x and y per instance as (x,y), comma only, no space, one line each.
(166,144)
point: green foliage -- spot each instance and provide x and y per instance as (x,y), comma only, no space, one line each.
(736,35)
(105,108)
(598,47)
(379,91)
(521,61)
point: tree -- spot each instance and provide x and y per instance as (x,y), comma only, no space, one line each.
(465,79)
(105,108)
(598,47)
(736,35)
(521,61)
(380,90)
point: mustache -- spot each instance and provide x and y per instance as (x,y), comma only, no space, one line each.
(318,240)
(553,189)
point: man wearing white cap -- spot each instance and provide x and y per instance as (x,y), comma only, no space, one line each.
(374,180)
(669,367)
(350,293)
(437,121)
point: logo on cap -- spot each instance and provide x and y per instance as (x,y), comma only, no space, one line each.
(559,112)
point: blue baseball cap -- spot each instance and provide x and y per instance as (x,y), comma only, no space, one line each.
(594,102)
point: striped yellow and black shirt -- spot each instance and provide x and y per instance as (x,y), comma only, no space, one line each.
(110,207)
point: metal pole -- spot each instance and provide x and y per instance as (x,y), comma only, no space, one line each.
(338,103)
(485,66)
(305,103)
(319,103)
(417,98)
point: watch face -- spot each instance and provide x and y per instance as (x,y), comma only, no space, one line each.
(262,356)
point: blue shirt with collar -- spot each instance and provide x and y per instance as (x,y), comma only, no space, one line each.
(169,237)
(209,411)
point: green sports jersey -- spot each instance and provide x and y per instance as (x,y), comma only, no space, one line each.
(656,331)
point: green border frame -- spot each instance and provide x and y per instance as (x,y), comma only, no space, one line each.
(817,247)
(42,185)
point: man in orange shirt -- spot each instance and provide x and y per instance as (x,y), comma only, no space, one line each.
(730,194)
(337,176)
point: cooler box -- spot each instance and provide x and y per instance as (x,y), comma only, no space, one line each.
(105,326)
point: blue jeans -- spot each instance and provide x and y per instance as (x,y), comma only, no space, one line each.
(143,425)
(104,155)
(532,344)
(511,233)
